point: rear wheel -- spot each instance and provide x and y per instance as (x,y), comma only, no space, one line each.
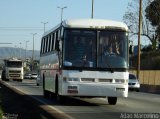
(112,100)
(59,98)
(45,93)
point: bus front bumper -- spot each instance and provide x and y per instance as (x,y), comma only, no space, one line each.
(94,90)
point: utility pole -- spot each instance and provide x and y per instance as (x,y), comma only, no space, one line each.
(44,23)
(20,50)
(33,51)
(139,38)
(26,49)
(92,9)
(62,11)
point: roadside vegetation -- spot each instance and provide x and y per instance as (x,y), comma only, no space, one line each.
(1,112)
(150,54)
(149,60)
(150,22)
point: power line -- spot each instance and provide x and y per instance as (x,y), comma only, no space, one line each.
(5,43)
(20,28)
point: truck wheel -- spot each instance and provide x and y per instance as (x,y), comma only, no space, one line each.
(3,76)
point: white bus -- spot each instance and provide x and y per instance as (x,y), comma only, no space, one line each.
(13,69)
(85,58)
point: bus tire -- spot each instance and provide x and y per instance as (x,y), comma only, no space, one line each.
(112,100)
(59,98)
(56,86)
(6,79)
(43,86)
(45,93)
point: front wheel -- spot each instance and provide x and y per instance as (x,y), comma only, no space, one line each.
(112,100)
(45,93)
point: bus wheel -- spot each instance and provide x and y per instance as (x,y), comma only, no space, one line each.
(61,99)
(112,100)
(45,93)
(6,79)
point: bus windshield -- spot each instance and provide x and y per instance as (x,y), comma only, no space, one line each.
(102,49)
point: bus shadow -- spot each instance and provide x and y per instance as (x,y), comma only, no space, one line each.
(72,101)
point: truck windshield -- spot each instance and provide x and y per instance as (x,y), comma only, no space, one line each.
(14,64)
(95,49)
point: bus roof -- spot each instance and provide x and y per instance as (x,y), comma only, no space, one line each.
(94,23)
(90,23)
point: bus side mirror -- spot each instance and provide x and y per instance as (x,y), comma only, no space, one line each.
(131,49)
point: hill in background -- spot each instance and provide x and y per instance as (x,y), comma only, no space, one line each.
(7,52)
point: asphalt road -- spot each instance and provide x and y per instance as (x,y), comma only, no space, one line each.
(137,105)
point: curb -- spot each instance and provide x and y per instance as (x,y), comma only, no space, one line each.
(49,110)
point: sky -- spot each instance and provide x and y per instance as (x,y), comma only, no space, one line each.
(20,19)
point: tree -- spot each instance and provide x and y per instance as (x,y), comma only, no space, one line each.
(153,15)
(131,18)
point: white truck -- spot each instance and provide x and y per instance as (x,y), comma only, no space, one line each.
(13,69)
